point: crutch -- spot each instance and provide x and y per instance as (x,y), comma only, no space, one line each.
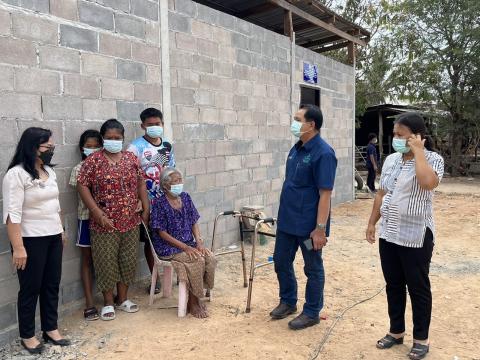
(254,266)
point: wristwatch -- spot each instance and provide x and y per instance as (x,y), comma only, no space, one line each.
(321,227)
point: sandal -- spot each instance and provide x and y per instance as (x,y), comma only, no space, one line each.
(128,306)
(388,341)
(418,351)
(91,314)
(157,289)
(106,311)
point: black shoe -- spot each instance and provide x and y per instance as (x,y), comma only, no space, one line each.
(302,321)
(33,351)
(282,311)
(61,342)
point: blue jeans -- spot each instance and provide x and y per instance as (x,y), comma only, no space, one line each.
(286,246)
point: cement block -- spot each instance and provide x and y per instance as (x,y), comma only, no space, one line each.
(154,74)
(187,114)
(122,5)
(152,32)
(244,57)
(56,58)
(62,108)
(81,86)
(205,97)
(130,70)
(186,7)
(117,89)
(55,126)
(9,291)
(182,96)
(129,111)
(95,15)
(37,81)
(202,30)
(42,6)
(100,110)
(186,42)
(5,23)
(93,64)
(33,28)
(202,64)
(204,149)
(240,41)
(148,93)
(78,38)
(179,22)
(115,46)
(146,53)
(6,78)
(195,166)
(207,14)
(243,26)
(205,182)
(224,101)
(129,25)
(73,132)
(144,8)
(66,9)
(21,105)
(17,52)
(188,79)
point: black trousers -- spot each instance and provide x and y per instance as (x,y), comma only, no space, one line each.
(371,178)
(41,278)
(408,267)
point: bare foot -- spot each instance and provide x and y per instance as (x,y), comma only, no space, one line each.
(196,307)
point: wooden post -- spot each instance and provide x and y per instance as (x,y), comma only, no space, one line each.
(351,53)
(287,23)
(380,134)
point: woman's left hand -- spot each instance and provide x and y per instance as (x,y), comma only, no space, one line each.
(203,250)
(416,143)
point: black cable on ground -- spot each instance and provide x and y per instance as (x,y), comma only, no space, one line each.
(319,348)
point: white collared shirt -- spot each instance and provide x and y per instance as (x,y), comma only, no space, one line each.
(406,208)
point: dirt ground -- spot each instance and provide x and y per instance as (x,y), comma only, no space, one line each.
(352,274)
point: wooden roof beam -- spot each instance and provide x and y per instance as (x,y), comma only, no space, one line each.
(256,10)
(321,42)
(333,47)
(314,20)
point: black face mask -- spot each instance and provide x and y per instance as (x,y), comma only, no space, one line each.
(46,157)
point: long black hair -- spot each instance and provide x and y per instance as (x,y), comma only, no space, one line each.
(416,124)
(26,152)
(89,134)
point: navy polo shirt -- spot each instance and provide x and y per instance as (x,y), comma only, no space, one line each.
(310,168)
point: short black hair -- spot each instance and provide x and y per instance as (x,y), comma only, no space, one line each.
(89,134)
(313,113)
(149,113)
(415,122)
(371,136)
(26,151)
(112,124)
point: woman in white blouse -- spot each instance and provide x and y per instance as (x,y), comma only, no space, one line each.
(404,202)
(31,211)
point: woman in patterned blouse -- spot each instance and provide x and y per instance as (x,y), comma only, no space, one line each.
(404,202)
(176,236)
(110,183)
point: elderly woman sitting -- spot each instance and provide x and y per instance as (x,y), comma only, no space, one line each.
(176,236)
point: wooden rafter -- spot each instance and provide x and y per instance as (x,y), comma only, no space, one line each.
(287,23)
(256,10)
(314,20)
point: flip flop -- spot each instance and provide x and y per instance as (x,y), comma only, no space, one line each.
(128,306)
(109,309)
(91,314)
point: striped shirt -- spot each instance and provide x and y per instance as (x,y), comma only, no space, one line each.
(406,208)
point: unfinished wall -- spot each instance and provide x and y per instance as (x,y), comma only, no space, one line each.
(68,65)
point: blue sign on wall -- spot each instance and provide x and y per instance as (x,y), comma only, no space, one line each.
(310,73)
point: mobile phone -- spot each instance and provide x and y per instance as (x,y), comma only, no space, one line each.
(308,244)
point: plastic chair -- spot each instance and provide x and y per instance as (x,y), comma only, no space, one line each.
(167,281)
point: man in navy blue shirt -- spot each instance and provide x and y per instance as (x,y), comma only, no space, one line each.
(372,161)
(304,217)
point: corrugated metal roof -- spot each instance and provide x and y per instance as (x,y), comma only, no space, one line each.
(270,15)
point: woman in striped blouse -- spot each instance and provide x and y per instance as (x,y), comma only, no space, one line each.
(404,203)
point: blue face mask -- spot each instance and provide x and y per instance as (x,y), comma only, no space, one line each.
(155,131)
(88,151)
(295,128)
(400,145)
(176,189)
(113,146)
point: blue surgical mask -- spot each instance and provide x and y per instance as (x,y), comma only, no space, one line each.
(295,128)
(88,151)
(155,131)
(113,146)
(176,189)
(400,145)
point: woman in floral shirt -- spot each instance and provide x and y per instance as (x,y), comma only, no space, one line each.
(110,184)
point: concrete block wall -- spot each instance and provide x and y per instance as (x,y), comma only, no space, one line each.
(68,65)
